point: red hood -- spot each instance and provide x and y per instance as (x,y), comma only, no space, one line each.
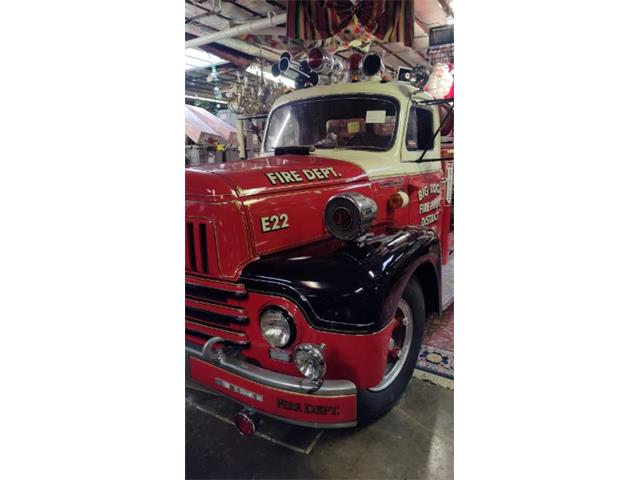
(226,181)
(259,206)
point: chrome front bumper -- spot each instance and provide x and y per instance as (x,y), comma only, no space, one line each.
(286,383)
(260,375)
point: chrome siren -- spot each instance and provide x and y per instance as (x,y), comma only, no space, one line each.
(371,65)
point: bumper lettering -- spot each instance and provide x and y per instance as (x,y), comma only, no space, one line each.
(308,408)
(237,389)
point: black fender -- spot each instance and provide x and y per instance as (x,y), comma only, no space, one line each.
(349,287)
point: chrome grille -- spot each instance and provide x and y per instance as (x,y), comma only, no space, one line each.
(211,309)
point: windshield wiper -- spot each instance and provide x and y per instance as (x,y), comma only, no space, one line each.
(324,145)
(350,147)
(363,147)
(294,149)
(330,141)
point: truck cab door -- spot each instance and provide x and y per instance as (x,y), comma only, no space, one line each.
(425,179)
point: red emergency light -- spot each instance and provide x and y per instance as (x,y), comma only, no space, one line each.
(316,58)
(353,67)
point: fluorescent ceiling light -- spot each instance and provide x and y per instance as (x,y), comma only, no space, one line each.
(255,70)
(197,58)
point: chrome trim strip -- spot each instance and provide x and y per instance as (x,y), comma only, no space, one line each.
(330,388)
(234,289)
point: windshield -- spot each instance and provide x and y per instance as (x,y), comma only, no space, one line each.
(363,122)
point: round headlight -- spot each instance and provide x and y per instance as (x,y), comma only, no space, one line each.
(349,215)
(309,359)
(276,326)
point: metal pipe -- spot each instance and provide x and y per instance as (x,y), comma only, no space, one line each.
(255,26)
(241,139)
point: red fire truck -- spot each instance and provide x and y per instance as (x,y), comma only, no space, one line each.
(310,271)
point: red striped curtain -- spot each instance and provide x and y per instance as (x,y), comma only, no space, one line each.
(389,20)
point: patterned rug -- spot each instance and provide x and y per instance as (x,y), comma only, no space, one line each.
(435,361)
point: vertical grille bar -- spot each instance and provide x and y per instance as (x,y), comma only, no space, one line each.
(200,247)
(197,250)
(203,248)
(191,254)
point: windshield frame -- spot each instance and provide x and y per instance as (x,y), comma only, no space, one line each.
(321,98)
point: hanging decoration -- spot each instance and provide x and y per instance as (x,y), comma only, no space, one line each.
(388,20)
(252,95)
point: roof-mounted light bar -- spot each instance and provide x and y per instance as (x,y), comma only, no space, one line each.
(305,77)
(331,69)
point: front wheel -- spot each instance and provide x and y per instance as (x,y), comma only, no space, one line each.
(404,346)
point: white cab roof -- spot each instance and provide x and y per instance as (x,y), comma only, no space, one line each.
(399,90)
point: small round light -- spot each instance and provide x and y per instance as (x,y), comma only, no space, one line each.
(398,200)
(315,58)
(309,359)
(276,326)
(246,422)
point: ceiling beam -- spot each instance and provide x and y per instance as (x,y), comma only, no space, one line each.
(246,9)
(217,14)
(276,4)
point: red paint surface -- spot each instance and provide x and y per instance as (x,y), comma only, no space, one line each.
(231,198)
(228,244)
(340,409)
(358,358)
(248,178)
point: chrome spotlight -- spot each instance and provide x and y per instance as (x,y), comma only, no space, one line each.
(419,76)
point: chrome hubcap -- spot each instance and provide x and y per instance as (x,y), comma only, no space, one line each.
(399,344)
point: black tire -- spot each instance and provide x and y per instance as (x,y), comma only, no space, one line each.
(374,404)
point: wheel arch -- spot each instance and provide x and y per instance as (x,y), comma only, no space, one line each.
(428,278)
(368,277)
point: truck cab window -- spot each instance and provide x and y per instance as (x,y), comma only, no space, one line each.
(420,129)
